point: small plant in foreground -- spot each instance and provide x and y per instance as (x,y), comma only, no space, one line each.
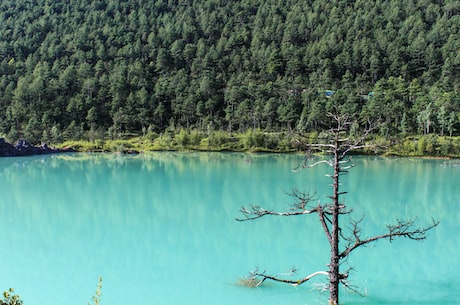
(97,296)
(9,298)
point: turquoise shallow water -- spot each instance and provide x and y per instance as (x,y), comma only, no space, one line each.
(160,229)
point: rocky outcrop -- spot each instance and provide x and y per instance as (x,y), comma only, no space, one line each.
(23,148)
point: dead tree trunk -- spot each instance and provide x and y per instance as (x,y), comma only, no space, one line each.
(334,264)
(337,158)
(338,149)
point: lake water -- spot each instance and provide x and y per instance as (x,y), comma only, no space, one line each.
(160,229)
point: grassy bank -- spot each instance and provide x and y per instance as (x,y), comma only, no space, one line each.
(252,141)
(259,141)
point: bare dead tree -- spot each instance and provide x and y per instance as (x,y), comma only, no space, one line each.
(338,148)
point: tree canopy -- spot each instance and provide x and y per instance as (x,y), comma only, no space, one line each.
(69,69)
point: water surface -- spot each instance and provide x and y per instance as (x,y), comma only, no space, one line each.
(160,229)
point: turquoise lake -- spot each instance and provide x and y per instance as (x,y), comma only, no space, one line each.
(160,229)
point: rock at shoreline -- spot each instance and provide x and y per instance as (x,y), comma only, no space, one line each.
(23,148)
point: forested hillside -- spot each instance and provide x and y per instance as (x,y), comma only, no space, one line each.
(73,67)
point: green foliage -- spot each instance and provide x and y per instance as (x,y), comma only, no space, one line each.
(253,139)
(165,142)
(92,69)
(218,139)
(186,139)
(97,296)
(182,138)
(195,138)
(10,298)
(258,141)
(427,145)
(83,146)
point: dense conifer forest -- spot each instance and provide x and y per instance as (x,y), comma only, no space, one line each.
(81,69)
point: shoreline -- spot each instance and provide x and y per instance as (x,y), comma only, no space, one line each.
(232,143)
(23,148)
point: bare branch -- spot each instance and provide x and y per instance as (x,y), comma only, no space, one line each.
(299,207)
(351,287)
(342,209)
(323,218)
(401,229)
(259,277)
(327,218)
(343,278)
(301,199)
(317,146)
(355,231)
(358,143)
(305,165)
(256,212)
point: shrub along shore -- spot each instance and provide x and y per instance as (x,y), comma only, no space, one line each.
(250,141)
(259,141)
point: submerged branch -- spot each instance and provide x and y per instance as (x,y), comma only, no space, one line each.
(257,278)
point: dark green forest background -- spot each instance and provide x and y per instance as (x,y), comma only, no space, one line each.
(80,69)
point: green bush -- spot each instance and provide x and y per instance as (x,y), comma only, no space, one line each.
(409,147)
(9,298)
(253,138)
(164,142)
(218,138)
(195,137)
(272,142)
(421,146)
(432,147)
(182,138)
